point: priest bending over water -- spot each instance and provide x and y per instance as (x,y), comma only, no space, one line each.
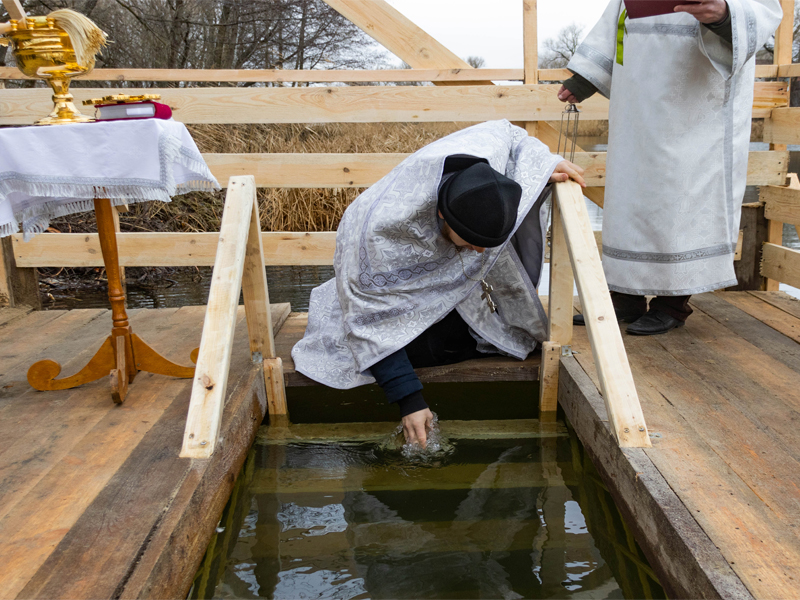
(435,264)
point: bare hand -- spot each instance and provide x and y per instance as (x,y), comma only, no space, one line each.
(566,96)
(416,427)
(706,11)
(567,170)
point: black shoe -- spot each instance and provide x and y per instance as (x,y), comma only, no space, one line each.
(627,317)
(655,322)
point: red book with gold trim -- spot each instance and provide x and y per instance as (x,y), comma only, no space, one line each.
(133,110)
(650,8)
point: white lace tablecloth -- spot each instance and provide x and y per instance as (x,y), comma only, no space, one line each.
(48,172)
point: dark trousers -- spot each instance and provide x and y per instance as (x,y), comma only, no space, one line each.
(676,307)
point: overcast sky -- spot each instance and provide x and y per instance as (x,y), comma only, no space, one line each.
(492,29)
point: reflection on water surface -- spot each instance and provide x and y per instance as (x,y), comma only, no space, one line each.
(522,517)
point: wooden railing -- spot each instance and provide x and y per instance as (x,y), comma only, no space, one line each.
(781,205)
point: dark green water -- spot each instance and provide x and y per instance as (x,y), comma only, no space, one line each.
(523,515)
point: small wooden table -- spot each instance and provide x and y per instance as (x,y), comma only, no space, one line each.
(123,354)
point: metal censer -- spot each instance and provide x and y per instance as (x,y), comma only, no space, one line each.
(44,51)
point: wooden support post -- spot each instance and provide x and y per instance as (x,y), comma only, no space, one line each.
(21,286)
(255,291)
(754,227)
(530,38)
(559,329)
(115,215)
(276,388)
(14,10)
(782,52)
(213,362)
(616,380)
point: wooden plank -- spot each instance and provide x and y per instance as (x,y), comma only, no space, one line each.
(687,561)
(213,362)
(554,74)
(548,377)
(788,70)
(21,285)
(759,548)
(170,249)
(783,126)
(296,170)
(359,104)
(784,35)
(562,281)
(275,386)
(255,292)
(782,300)
(616,379)
(721,308)
(36,523)
(781,264)
(530,41)
(6,296)
(9,314)
(15,10)
(769,95)
(781,203)
(754,229)
(466,74)
(777,319)
(118,530)
(767,71)
(395,32)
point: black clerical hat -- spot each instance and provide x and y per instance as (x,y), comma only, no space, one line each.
(477,202)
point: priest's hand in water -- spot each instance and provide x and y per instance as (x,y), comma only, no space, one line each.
(706,11)
(416,427)
(567,170)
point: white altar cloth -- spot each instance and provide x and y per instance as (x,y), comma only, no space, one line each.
(48,172)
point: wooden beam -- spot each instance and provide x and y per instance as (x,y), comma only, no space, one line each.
(781,204)
(781,264)
(554,74)
(6,298)
(361,104)
(784,36)
(398,34)
(530,41)
(169,249)
(254,289)
(783,126)
(21,284)
(789,70)
(562,283)
(15,10)
(287,76)
(213,361)
(616,380)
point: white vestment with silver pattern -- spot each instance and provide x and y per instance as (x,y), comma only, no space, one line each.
(396,274)
(679,133)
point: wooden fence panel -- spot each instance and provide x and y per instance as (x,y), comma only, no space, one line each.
(781,264)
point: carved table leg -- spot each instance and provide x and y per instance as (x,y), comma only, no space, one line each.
(123,354)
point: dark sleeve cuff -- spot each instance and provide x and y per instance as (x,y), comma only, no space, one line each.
(396,376)
(580,87)
(412,403)
(723,28)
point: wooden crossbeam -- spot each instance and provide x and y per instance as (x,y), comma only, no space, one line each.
(783,126)
(781,264)
(169,249)
(296,170)
(781,204)
(362,104)
(459,75)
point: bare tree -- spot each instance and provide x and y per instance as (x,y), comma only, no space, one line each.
(476,62)
(559,50)
(223,34)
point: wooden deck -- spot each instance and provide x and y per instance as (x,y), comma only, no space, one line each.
(94,501)
(716,501)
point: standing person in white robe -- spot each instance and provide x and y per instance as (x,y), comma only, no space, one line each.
(681,92)
(414,256)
